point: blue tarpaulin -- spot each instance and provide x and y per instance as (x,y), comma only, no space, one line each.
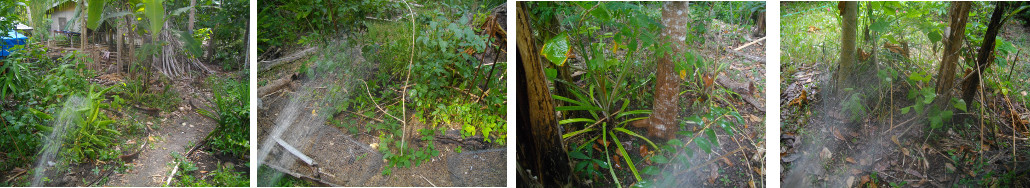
(12,39)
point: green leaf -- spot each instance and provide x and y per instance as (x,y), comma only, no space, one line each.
(625,156)
(631,133)
(557,49)
(959,104)
(660,159)
(574,120)
(711,136)
(905,110)
(879,26)
(95,8)
(574,133)
(578,155)
(570,108)
(934,36)
(650,170)
(703,144)
(155,12)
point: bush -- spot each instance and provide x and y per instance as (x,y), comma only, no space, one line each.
(232,110)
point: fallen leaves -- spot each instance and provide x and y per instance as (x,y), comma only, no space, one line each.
(813,29)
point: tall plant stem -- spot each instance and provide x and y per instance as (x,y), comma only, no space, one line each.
(404,91)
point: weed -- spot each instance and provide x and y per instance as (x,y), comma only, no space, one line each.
(231,100)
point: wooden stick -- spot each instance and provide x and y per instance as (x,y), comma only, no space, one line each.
(749,44)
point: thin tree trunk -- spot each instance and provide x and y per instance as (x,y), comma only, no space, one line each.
(193,12)
(666,97)
(986,54)
(848,58)
(959,13)
(540,149)
(82,22)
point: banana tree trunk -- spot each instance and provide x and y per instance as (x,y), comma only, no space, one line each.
(540,149)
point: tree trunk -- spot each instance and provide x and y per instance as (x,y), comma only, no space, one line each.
(193,12)
(540,147)
(118,45)
(959,13)
(666,97)
(82,22)
(848,57)
(986,54)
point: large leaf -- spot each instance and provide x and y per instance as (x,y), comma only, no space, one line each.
(879,26)
(557,49)
(191,44)
(155,12)
(96,9)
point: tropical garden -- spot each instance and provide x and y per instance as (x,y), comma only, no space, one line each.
(641,94)
(382,93)
(124,93)
(904,94)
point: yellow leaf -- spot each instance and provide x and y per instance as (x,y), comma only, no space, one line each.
(683,74)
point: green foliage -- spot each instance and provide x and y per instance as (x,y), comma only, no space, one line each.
(94,11)
(282,20)
(155,12)
(224,175)
(232,110)
(471,117)
(94,132)
(855,106)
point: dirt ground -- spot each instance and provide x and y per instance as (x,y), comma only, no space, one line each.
(821,147)
(343,159)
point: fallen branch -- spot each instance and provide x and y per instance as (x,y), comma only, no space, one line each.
(265,65)
(276,85)
(749,44)
(427,180)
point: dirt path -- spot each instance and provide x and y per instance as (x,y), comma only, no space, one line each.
(173,132)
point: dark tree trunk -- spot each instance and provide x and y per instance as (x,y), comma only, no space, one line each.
(848,58)
(666,97)
(540,147)
(959,14)
(986,54)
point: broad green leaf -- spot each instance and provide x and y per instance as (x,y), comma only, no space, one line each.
(155,12)
(649,170)
(95,9)
(905,110)
(703,144)
(578,155)
(934,36)
(711,136)
(660,159)
(960,104)
(879,26)
(557,49)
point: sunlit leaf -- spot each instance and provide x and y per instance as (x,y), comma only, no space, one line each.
(557,49)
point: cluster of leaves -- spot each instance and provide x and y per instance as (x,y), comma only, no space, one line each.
(403,155)
(223,21)
(224,176)
(232,110)
(35,85)
(473,120)
(924,99)
(283,20)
